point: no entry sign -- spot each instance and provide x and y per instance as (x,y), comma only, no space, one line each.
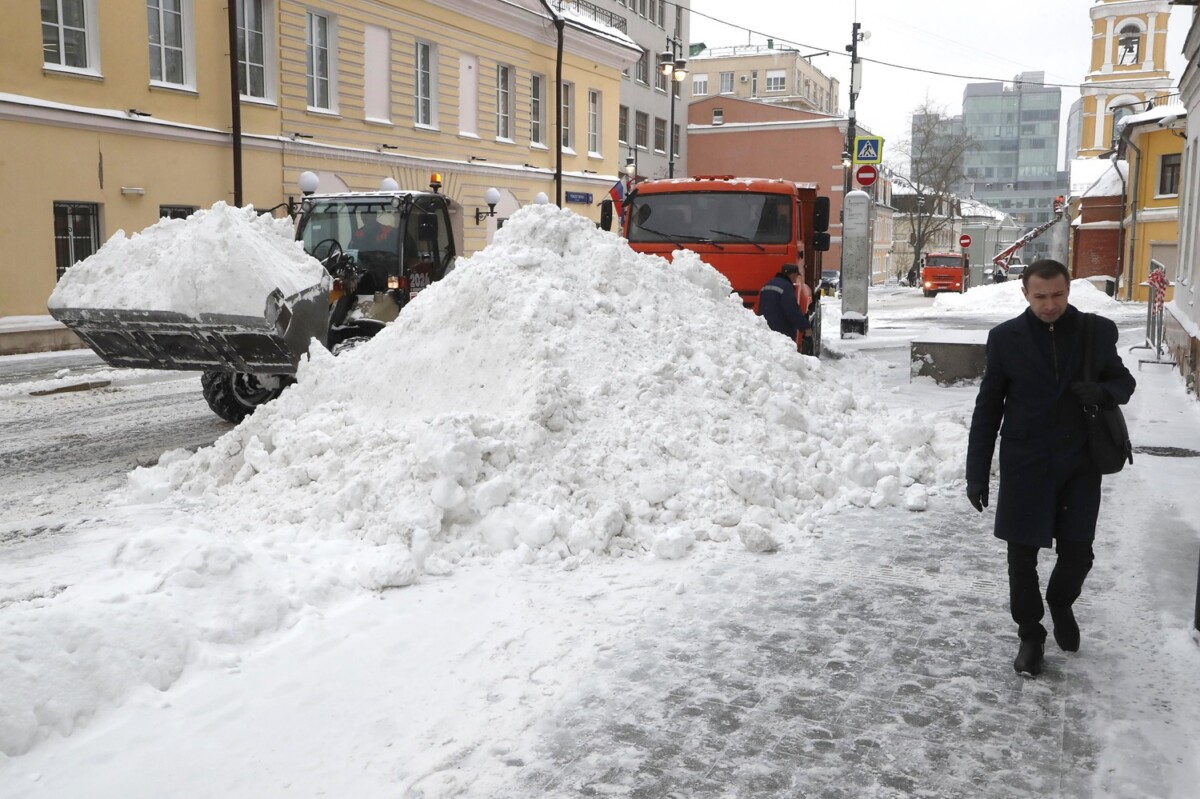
(964,241)
(866,174)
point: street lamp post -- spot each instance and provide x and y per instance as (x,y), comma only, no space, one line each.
(674,67)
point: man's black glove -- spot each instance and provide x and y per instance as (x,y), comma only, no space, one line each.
(1089,393)
(978,494)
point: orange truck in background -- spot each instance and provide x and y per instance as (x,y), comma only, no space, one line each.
(745,228)
(945,271)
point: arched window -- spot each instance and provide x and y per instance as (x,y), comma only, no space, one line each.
(1129,45)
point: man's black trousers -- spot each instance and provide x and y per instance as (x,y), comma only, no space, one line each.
(1066,582)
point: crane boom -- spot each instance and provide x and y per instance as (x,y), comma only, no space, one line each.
(1004,256)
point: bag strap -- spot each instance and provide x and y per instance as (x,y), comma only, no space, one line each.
(1089,345)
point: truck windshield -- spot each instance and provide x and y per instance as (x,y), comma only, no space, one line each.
(943,260)
(713,217)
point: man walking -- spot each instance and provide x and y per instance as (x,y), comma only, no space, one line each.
(1032,395)
(778,305)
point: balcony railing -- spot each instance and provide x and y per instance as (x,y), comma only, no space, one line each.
(601,15)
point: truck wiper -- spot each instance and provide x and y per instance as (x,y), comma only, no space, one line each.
(669,237)
(743,238)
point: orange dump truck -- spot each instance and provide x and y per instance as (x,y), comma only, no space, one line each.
(945,271)
(745,228)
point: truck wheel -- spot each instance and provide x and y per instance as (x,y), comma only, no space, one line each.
(930,293)
(234,395)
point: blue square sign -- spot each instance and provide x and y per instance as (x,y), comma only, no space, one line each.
(868,149)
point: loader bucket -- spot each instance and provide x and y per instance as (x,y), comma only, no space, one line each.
(269,344)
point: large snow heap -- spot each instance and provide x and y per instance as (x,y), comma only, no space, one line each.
(223,260)
(559,395)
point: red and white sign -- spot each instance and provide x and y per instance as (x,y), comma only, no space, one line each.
(866,174)
(964,241)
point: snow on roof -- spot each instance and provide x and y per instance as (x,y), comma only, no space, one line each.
(1111,181)
(1154,115)
(970,207)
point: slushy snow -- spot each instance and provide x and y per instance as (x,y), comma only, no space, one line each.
(223,260)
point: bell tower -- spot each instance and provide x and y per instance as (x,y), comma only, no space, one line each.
(1128,69)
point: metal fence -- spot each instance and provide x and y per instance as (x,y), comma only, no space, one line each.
(1158,284)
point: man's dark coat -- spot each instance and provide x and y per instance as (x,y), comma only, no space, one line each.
(778,305)
(1048,486)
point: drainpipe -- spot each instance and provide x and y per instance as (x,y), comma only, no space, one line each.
(559,24)
(235,105)
(1135,182)
(1120,223)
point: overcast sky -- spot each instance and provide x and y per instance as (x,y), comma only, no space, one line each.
(984,41)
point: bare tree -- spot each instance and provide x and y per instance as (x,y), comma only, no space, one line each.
(935,155)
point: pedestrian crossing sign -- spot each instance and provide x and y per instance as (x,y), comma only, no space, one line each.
(868,149)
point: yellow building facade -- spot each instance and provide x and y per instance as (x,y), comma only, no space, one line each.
(125,113)
(1128,67)
(1152,143)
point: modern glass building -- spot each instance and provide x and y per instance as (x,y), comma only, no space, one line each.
(1014,167)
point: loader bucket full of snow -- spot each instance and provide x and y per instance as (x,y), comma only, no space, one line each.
(269,344)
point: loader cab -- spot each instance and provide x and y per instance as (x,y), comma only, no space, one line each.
(401,241)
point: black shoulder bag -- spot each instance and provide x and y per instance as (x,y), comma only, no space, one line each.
(1108,435)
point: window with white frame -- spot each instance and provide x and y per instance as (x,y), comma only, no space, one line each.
(504,102)
(660,135)
(642,70)
(69,35)
(319,61)
(253,31)
(567,90)
(1168,174)
(623,124)
(169,27)
(641,129)
(594,122)
(423,98)
(699,85)
(537,104)
(726,83)
(776,80)
(660,81)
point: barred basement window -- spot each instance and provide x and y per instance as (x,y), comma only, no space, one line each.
(76,233)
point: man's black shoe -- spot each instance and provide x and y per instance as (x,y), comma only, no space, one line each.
(1029,658)
(1066,629)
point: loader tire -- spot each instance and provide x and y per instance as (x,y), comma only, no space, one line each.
(234,395)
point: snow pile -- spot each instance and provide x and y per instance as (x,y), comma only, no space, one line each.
(1007,298)
(224,260)
(557,396)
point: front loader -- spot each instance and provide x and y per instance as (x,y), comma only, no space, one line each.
(379,250)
